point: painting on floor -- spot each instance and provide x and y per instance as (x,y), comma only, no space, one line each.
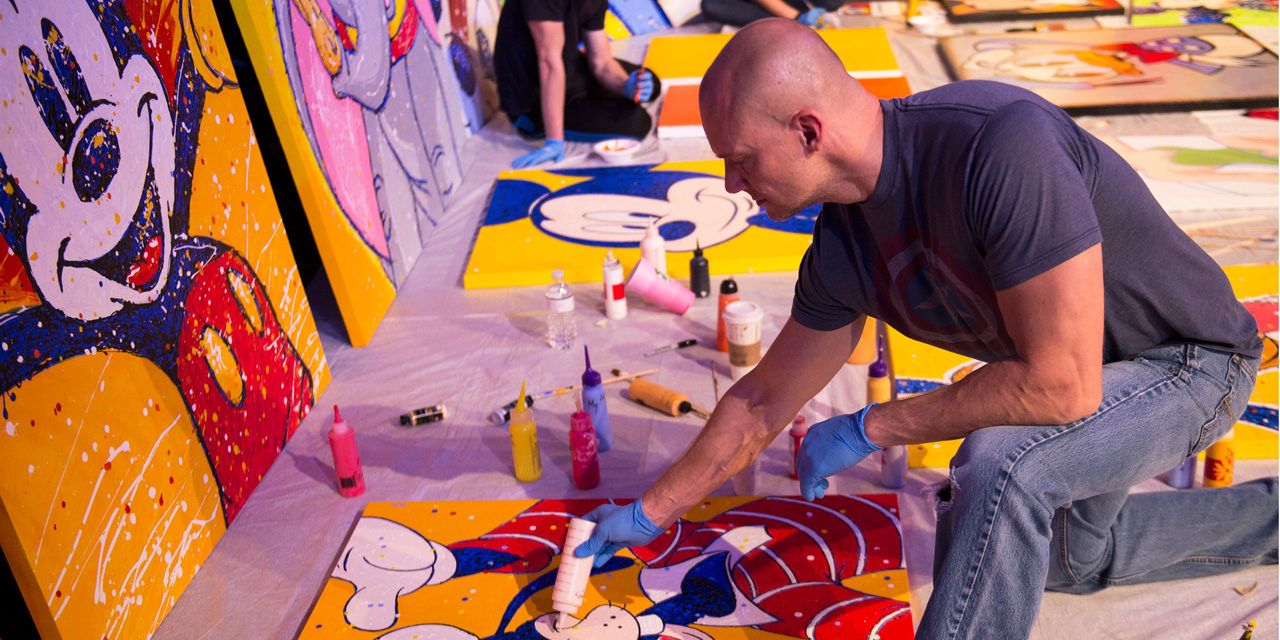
(157,348)
(982,10)
(732,568)
(371,101)
(569,218)
(1162,13)
(1189,173)
(684,59)
(1122,70)
(919,367)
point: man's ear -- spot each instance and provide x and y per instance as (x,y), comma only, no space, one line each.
(808,126)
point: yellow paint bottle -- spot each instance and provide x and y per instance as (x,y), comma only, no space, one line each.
(524,441)
(865,351)
(1220,461)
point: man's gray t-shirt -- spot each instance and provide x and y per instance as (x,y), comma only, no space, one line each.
(984,186)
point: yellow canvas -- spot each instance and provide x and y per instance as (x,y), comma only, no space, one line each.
(919,367)
(372,147)
(733,568)
(864,52)
(540,220)
(158,349)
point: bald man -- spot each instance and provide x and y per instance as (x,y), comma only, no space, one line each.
(979,218)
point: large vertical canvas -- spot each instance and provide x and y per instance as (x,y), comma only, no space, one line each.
(539,220)
(962,11)
(919,367)
(732,568)
(156,346)
(1119,70)
(371,101)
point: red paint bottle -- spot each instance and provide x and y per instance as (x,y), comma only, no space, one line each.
(728,293)
(582,448)
(346,459)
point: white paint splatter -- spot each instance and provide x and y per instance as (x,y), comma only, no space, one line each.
(8,427)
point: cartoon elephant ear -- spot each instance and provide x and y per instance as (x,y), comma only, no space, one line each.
(429,632)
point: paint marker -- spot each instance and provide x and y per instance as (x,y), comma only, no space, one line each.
(524,443)
(503,413)
(417,417)
(660,398)
(346,458)
(672,347)
(1220,461)
(715,383)
(571,578)
(593,401)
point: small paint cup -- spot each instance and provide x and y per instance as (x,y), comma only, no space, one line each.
(742,328)
(658,288)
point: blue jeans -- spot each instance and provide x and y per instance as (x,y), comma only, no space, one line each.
(1030,508)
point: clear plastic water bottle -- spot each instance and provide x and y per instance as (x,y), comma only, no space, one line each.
(561,331)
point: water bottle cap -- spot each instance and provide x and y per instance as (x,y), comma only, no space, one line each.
(557,274)
(728,286)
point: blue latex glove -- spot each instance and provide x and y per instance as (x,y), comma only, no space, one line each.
(616,528)
(811,17)
(831,446)
(639,86)
(551,151)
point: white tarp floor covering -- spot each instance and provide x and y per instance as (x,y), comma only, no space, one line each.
(471,349)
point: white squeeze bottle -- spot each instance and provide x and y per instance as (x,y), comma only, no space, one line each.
(560,328)
(653,248)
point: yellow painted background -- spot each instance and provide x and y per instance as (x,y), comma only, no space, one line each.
(517,253)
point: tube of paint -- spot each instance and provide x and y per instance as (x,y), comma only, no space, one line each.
(425,415)
(571,578)
(1182,476)
(699,273)
(524,442)
(594,404)
(658,397)
(582,449)
(658,288)
(728,294)
(346,458)
(893,460)
(653,248)
(799,427)
(615,294)
(1220,461)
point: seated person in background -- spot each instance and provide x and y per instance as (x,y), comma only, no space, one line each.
(740,12)
(552,89)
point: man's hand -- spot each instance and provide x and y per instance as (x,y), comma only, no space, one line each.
(831,446)
(811,17)
(551,151)
(616,528)
(639,85)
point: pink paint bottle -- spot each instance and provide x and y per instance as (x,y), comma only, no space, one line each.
(582,448)
(346,459)
(799,427)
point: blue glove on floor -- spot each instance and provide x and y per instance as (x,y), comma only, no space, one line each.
(616,528)
(639,86)
(810,18)
(551,151)
(831,446)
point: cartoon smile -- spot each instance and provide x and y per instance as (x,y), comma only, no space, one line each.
(135,260)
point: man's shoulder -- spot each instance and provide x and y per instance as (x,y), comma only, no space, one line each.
(976,96)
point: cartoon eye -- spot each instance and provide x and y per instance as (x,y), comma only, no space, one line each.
(96,160)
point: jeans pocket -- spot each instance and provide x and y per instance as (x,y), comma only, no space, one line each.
(1233,402)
